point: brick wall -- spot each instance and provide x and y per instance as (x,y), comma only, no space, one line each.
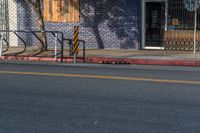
(103,23)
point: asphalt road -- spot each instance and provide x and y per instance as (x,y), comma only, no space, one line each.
(99,99)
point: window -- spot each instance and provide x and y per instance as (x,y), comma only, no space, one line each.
(61,10)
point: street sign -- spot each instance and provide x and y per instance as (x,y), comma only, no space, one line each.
(191,5)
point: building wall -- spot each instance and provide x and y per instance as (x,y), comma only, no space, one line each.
(12,8)
(103,23)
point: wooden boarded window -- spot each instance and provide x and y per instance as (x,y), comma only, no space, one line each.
(61,10)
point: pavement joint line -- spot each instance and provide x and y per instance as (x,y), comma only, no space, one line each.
(104,77)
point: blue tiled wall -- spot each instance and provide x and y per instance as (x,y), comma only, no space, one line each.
(103,23)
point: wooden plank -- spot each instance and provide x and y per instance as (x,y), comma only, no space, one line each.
(50,10)
(55,9)
(71,11)
(77,11)
(45,10)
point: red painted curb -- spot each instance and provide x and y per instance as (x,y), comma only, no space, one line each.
(184,63)
(47,59)
(198,63)
(194,63)
(101,60)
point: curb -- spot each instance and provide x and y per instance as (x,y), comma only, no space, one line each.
(165,62)
(105,60)
(44,59)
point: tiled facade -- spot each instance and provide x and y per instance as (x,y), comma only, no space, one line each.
(103,23)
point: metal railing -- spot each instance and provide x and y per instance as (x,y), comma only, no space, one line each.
(70,42)
(35,34)
(58,40)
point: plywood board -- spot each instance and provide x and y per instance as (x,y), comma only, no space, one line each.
(61,10)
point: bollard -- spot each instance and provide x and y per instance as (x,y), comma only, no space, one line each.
(76,42)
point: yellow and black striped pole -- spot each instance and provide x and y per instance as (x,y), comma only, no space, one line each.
(76,40)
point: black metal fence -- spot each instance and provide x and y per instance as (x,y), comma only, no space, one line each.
(55,41)
(22,34)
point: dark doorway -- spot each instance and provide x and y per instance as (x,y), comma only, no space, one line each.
(153,24)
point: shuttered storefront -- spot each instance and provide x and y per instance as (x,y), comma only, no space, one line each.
(178,25)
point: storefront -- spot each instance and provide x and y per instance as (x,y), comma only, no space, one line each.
(169,24)
(179,24)
(124,24)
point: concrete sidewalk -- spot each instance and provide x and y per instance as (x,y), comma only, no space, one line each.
(141,54)
(117,56)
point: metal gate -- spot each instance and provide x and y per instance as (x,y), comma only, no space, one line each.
(4,18)
(178,24)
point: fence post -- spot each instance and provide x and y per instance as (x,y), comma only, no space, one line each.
(62,47)
(1,45)
(195,29)
(83,51)
(55,47)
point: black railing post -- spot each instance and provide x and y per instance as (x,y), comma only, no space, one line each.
(7,45)
(83,51)
(20,38)
(62,47)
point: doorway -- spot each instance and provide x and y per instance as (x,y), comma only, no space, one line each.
(151,24)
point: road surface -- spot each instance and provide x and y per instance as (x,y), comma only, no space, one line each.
(38,98)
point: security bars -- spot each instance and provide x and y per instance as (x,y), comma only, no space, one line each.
(179,25)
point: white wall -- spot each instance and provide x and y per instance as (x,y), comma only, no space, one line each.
(12,8)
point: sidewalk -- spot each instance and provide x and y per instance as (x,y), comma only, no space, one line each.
(144,57)
(118,56)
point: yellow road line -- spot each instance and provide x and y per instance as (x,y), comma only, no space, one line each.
(103,77)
